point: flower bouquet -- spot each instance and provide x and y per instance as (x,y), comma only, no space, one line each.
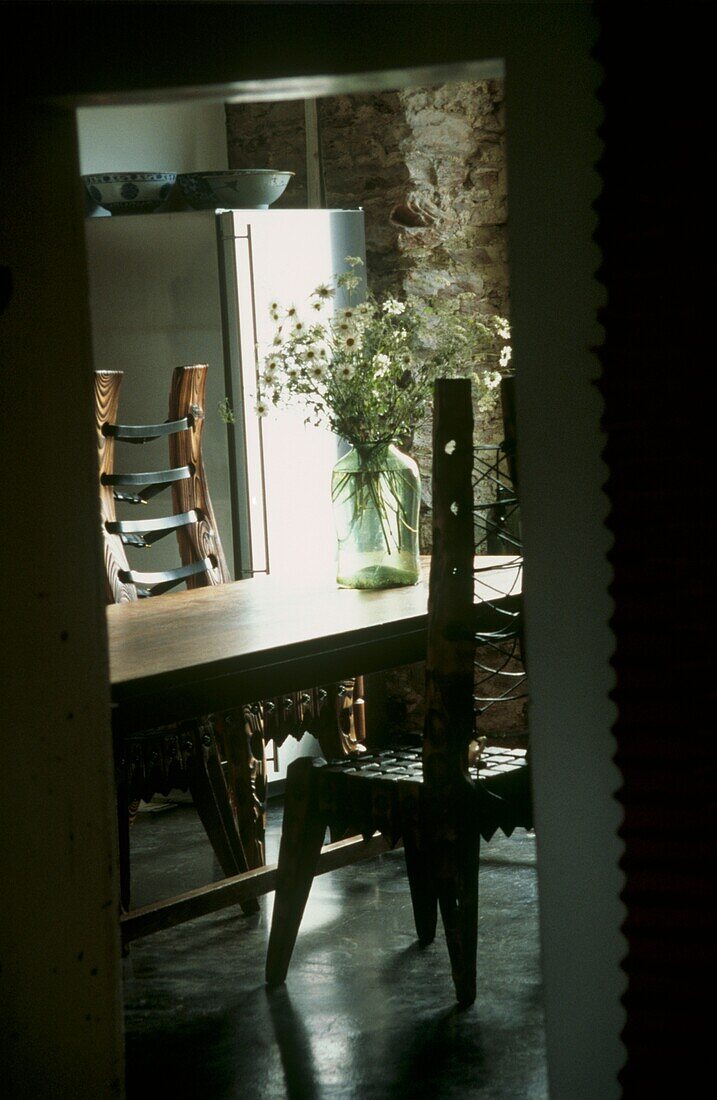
(366,371)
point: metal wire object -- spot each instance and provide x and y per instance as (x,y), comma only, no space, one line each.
(500,674)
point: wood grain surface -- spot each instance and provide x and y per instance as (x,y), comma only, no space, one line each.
(201,539)
(107,391)
(177,654)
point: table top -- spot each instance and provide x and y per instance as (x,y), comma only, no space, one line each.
(180,655)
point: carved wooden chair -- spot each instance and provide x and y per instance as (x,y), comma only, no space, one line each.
(220,758)
(426,793)
(203,756)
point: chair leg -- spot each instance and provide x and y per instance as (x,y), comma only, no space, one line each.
(124,818)
(211,799)
(419,867)
(302,836)
(123,837)
(458,900)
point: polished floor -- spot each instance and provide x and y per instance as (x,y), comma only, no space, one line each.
(365,1013)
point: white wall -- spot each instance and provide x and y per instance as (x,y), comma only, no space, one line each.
(182,137)
(552,123)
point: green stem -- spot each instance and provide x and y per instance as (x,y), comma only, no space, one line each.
(374,484)
(380,491)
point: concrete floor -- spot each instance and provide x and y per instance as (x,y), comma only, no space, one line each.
(365,1013)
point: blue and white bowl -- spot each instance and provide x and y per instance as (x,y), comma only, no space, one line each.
(233,189)
(129,192)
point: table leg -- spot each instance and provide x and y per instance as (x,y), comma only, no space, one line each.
(242,733)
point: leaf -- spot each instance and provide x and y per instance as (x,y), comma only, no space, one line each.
(225,411)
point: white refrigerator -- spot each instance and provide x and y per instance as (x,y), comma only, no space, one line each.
(195,287)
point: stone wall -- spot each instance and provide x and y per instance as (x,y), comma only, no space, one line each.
(426,164)
(428,167)
(455,156)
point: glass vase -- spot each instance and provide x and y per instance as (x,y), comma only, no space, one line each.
(376,495)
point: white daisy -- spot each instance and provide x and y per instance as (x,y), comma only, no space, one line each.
(298,328)
(350,342)
(261,408)
(344,371)
(292,370)
(317,370)
(313,354)
(491,379)
(323,291)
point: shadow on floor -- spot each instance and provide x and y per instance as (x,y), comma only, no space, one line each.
(365,1012)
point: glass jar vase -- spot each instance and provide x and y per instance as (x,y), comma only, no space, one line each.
(376,495)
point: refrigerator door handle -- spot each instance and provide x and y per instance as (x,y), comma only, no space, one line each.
(245,442)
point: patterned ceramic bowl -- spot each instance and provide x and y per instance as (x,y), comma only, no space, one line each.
(129,192)
(236,189)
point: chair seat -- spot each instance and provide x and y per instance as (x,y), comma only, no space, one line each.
(368,794)
(384,792)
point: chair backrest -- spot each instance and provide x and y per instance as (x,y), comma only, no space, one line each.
(449,721)
(474,652)
(192,520)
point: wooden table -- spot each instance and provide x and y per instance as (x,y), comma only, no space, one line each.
(177,656)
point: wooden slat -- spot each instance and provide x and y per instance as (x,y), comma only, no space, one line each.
(148,478)
(239,888)
(150,526)
(107,391)
(169,576)
(201,540)
(145,433)
(449,668)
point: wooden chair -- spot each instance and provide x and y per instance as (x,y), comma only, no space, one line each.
(425,792)
(220,758)
(204,756)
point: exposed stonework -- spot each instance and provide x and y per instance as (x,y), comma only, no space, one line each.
(363,142)
(426,165)
(455,158)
